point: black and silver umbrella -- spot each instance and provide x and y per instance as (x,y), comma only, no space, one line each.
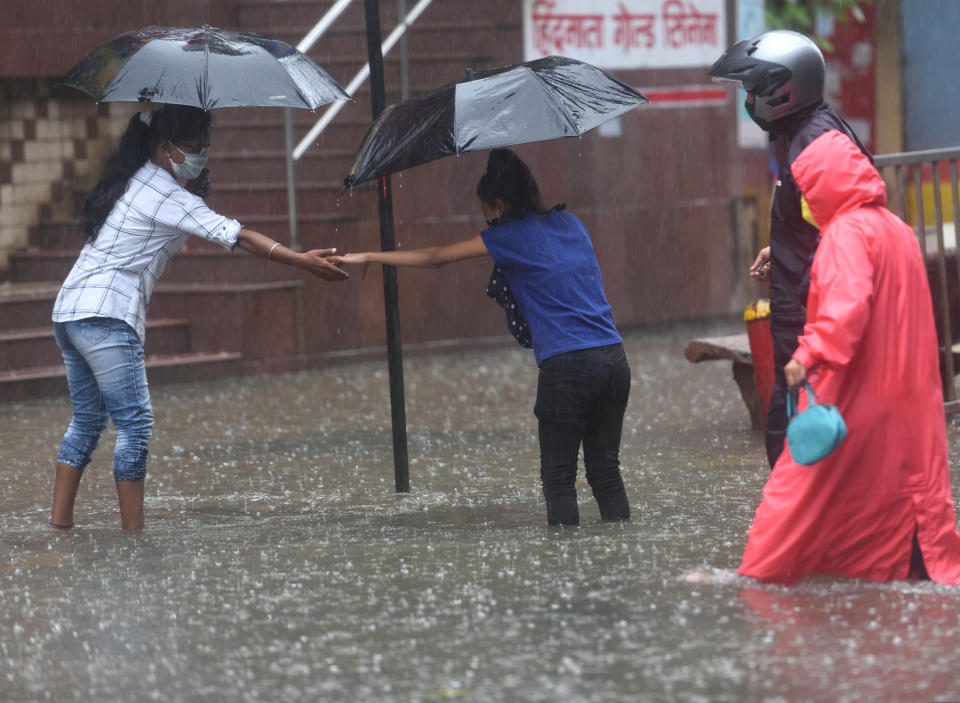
(205,67)
(543,99)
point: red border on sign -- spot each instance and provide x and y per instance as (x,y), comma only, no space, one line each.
(679,96)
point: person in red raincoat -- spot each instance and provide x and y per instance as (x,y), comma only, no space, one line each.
(882,499)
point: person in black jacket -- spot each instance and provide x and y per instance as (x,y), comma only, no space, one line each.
(783,74)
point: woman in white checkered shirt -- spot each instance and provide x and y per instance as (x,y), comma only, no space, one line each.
(148,201)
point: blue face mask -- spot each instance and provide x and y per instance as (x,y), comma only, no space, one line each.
(192,166)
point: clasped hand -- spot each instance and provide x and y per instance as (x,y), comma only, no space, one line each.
(322,264)
(350,260)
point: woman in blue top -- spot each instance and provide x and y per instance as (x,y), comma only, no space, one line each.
(548,260)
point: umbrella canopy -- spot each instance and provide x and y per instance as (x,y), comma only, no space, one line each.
(543,99)
(205,67)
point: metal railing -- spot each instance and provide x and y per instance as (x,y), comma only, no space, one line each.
(915,169)
(311,38)
(295,152)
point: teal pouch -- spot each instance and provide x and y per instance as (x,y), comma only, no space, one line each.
(814,433)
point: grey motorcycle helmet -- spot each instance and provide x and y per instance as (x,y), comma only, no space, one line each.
(784,71)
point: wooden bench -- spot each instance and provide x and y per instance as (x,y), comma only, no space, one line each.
(736,348)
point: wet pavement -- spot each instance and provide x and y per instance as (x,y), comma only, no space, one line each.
(278,564)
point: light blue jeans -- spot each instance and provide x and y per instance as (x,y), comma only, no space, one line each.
(108,379)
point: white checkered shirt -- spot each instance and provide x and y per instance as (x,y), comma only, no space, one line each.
(115,274)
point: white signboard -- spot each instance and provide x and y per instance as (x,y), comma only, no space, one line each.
(750,23)
(626,33)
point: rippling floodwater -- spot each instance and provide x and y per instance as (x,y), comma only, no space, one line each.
(279,565)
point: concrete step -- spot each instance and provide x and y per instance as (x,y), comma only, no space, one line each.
(259,16)
(427,72)
(255,16)
(259,134)
(42,381)
(427,68)
(270,198)
(349,38)
(63,235)
(311,227)
(36,346)
(26,305)
(199,262)
(245,166)
(260,320)
(257,319)
(32,265)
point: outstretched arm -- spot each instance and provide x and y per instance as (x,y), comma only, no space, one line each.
(427,257)
(315,261)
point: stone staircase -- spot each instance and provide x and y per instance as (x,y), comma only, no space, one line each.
(216,313)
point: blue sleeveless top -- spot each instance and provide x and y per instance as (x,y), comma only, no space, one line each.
(553,272)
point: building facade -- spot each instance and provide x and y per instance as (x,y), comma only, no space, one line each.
(673,192)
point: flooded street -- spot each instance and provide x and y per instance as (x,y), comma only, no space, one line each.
(278,563)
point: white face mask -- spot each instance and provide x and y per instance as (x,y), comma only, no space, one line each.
(192,165)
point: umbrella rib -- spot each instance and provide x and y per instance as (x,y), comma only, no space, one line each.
(556,103)
(205,74)
(92,93)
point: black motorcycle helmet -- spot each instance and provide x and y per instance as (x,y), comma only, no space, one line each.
(783,70)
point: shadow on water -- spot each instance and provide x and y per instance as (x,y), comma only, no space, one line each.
(279,564)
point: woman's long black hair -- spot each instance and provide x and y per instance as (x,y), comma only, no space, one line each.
(145,131)
(509,179)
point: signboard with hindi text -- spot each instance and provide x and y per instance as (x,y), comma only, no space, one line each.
(626,33)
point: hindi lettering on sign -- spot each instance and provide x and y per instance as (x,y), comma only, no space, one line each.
(634,30)
(683,25)
(626,33)
(555,33)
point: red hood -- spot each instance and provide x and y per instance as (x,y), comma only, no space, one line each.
(835,176)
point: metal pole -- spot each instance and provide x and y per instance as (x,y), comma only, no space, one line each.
(404,56)
(948,385)
(291,178)
(387,243)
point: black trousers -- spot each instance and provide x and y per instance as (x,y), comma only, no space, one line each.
(785,332)
(776,432)
(581,398)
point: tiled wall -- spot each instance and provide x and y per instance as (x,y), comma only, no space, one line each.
(52,145)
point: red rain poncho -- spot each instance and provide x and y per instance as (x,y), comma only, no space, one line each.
(871,347)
